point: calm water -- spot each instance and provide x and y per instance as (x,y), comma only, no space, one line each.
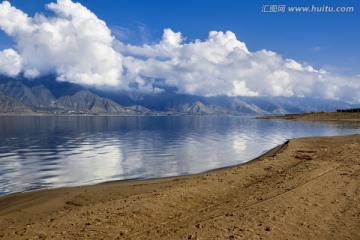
(47,152)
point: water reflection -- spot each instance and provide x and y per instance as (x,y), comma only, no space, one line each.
(45,152)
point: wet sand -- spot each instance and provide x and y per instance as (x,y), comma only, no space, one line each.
(309,188)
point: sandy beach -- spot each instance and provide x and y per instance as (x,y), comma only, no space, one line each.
(307,188)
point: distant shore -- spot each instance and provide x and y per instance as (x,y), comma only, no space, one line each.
(307,188)
(318,116)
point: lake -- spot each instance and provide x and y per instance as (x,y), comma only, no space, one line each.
(39,152)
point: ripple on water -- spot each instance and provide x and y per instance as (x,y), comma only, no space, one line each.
(136,147)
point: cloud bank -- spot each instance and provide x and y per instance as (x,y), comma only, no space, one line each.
(77,46)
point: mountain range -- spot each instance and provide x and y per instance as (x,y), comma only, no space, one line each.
(46,95)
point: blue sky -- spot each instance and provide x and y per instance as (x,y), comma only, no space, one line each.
(324,40)
(208,48)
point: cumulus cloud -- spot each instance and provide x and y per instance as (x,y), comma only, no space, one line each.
(222,65)
(79,47)
(10,62)
(73,43)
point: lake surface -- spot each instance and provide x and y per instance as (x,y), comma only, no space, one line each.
(41,152)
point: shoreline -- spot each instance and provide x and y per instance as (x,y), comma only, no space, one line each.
(20,195)
(282,194)
(318,116)
(267,153)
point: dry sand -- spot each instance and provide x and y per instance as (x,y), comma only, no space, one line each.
(307,189)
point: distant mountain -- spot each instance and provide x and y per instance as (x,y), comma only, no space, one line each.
(46,95)
(87,102)
(189,104)
(8,105)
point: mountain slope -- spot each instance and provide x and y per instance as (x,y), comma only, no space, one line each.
(8,105)
(87,102)
(15,89)
(46,95)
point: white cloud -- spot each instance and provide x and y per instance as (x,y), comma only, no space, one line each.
(74,43)
(79,47)
(14,21)
(171,38)
(291,64)
(222,65)
(10,62)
